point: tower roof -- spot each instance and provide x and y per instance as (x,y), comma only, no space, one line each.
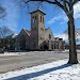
(38,11)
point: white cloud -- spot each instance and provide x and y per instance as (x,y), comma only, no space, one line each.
(64,18)
(64,36)
(61,16)
(53,20)
(77,10)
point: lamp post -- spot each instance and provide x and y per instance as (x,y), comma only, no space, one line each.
(15,44)
(19,48)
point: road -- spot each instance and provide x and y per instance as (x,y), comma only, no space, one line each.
(29,59)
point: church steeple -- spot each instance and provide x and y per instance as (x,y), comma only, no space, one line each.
(37,28)
(38,10)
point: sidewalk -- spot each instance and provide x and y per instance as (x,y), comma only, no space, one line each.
(57,70)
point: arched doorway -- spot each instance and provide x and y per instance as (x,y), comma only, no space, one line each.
(46,47)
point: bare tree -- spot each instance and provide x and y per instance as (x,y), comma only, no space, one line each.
(4,32)
(67,7)
(2,12)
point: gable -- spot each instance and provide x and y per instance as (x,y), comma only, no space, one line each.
(28,32)
(49,34)
(24,33)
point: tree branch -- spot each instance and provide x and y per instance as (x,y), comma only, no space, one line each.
(75,1)
(50,2)
(65,6)
(60,5)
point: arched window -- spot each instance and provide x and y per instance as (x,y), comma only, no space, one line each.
(40,18)
(33,20)
(35,28)
(49,36)
(43,19)
(42,29)
(34,45)
(40,37)
(35,17)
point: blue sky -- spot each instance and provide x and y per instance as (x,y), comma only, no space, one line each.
(18,17)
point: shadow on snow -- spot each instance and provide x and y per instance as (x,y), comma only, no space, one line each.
(39,73)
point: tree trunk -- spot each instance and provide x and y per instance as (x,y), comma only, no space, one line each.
(72,41)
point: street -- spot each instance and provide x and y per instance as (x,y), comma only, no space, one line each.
(29,59)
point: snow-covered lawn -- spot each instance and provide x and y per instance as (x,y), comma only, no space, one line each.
(57,70)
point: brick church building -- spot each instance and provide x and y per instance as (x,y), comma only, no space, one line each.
(38,38)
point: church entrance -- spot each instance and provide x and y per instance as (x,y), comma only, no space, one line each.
(46,47)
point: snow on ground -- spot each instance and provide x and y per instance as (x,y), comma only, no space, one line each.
(12,53)
(8,54)
(22,53)
(57,70)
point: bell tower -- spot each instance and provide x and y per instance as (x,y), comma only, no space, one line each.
(37,29)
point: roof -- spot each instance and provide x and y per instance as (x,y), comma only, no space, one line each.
(47,28)
(37,11)
(28,32)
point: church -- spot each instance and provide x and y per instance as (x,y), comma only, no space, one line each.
(38,38)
